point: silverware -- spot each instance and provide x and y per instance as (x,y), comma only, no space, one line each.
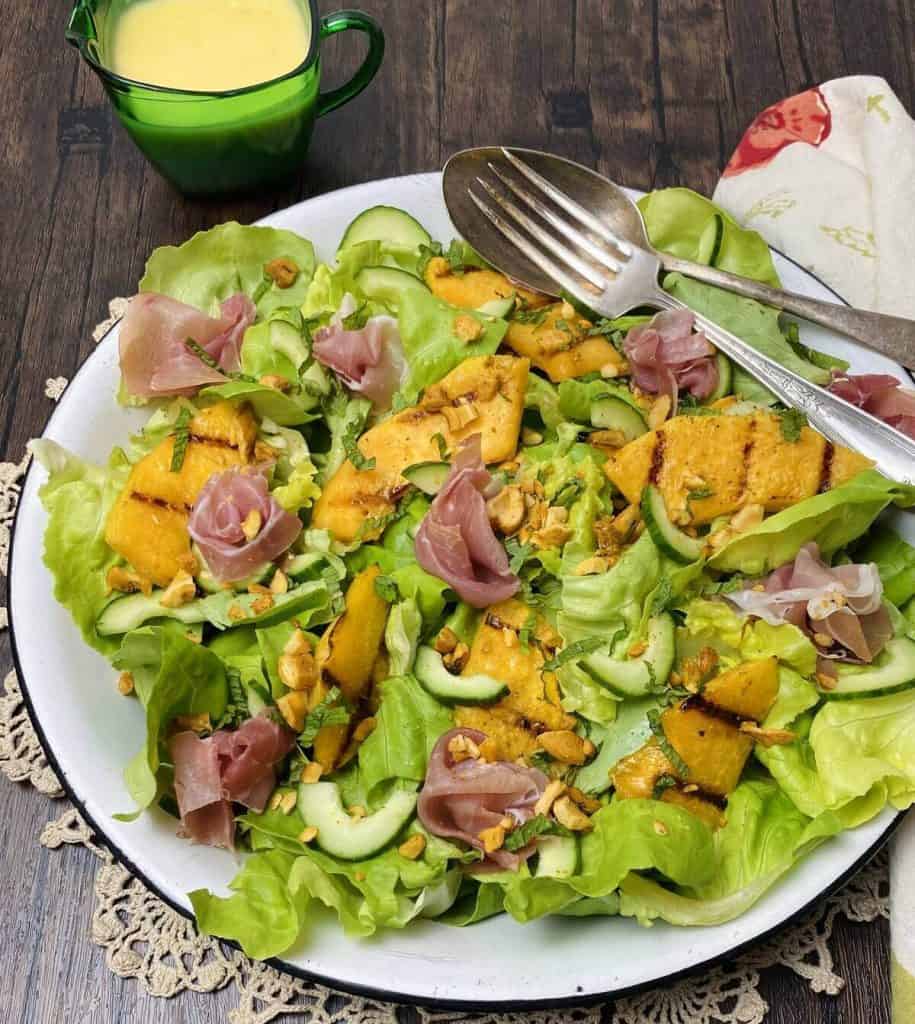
(594,247)
(609,206)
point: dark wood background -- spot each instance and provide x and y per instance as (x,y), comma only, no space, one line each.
(650,92)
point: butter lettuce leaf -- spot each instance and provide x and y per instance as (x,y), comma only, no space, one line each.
(408,723)
(764,836)
(172,676)
(895,560)
(430,345)
(685,224)
(78,496)
(229,258)
(832,519)
(264,914)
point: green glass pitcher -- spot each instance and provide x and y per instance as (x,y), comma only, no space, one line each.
(208,143)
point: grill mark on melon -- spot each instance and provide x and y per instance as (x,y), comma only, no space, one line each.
(826,467)
(657,459)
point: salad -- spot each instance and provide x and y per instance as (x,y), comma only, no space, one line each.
(445,599)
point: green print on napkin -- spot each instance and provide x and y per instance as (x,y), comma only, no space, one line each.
(859,241)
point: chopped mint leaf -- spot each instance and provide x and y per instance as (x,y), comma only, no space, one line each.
(182,435)
(328,712)
(539,825)
(357,319)
(792,422)
(574,651)
(442,446)
(529,316)
(386,588)
(518,554)
(350,446)
(656,726)
(663,782)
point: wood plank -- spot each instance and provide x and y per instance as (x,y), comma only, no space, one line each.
(650,92)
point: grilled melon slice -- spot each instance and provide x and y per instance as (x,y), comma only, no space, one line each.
(475,287)
(741,460)
(748,690)
(484,395)
(148,524)
(532,702)
(152,537)
(559,345)
(346,656)
(635,776)
(712,748)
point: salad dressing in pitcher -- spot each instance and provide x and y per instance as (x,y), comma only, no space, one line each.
(209,45)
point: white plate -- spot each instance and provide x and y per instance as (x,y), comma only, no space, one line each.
(91,733)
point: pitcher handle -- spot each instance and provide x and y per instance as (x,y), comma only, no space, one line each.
(81,25)
(340,21)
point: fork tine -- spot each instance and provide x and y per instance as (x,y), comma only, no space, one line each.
(575,236)
(567,203)
(535,255)
(543,237)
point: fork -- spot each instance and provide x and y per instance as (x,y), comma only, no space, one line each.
(612,276)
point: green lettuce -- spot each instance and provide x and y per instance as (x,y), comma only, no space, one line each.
(832,519)
(263,914)
(172,676)
(715,623)
(409,722)
(628,731)
(401,635)
(688,225)
(332,282)
(78,497)
(577,396)
(288,409)
(765,835)
(430,345)
(895,559)
(229,258)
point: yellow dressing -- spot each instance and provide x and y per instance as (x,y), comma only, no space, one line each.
(210,45)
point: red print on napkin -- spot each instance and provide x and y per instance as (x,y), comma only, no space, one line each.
(801,118)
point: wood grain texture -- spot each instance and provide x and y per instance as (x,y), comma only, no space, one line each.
(650,92)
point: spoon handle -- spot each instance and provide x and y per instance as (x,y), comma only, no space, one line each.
(892,452)
(893,336)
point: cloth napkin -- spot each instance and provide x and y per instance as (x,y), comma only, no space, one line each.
(828,177)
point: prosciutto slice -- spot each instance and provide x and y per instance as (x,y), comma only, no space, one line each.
(455,540)
(841,608)
(369,360)
(461,799)
(217,523)
(667,356)
(154,358)
(879,394)
(227,767)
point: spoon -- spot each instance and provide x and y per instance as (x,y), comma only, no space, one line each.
(890,335)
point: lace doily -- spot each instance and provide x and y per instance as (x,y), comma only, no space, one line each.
(146,940)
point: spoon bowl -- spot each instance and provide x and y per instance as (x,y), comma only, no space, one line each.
(600,196)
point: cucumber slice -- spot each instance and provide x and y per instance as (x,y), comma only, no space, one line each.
(672,541)
(385,224)
(126,613)
(430,670)
(387,284)
(352,838)
(500,308)
(637,677)
(611,413)
(208,582)
(557,857)
(892,671)
(428,476)
(725,378)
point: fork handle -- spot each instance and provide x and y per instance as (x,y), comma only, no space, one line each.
(893,336)
(891,451)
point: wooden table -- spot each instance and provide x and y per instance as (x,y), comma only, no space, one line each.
(651,93)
